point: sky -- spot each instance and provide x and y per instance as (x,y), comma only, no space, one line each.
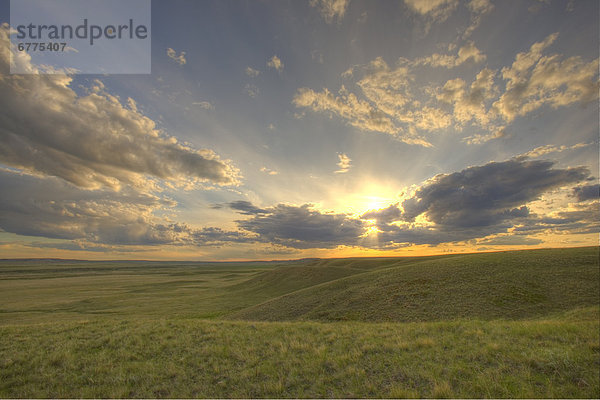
(321,128)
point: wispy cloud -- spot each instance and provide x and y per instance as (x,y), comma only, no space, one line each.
(471,103)
(251,90)
(268,171)
(547,149)
(179,59)
(251,72)
(535,79)
(331,10)
(389,100)
(275,62)
(347,106)
(387,107)
(343,164)
(204,104)
(479,9)
(436,10)
(467,53)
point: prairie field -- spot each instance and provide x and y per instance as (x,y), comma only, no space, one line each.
(511,324)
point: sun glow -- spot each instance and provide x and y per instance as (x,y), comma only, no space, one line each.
(368,196)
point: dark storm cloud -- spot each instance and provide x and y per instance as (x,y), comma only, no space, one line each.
(476,202)
(486,195)
(303,227)
(246,208)
(589,192)
(481,201)
(218,236)
(385,215)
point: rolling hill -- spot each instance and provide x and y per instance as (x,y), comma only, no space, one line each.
(521,324)
(507,285)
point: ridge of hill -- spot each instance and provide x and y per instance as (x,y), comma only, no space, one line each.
(506,285)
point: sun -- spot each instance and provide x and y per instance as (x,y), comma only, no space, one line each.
(371,196)
(376,202)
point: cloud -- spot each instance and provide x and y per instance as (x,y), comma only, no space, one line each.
(469,104)
(537,7)
(179,59)
(52,208)
(276,63)
(204,104)
(357,113)
(476,203)
(510,240)
(388,105)
(589,192)
(436,10)
(331,10)
(547,149)
(317,56)
(246,208)
(467,53)
(473,203)
(92,140)
(302,227)
(268,171)
(344,163)
(217,237)
(478,8)
(479,196)
(79,245)
(579,219)
(251,72)
(383,216)
(534,80)
(251,90)
(531,82)
(389,99)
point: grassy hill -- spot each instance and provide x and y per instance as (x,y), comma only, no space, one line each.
(509,285)
(512,324)
(290,278)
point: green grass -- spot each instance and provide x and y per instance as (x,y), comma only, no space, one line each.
(519,284)
(513,324)
(194,358)
(32,292)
